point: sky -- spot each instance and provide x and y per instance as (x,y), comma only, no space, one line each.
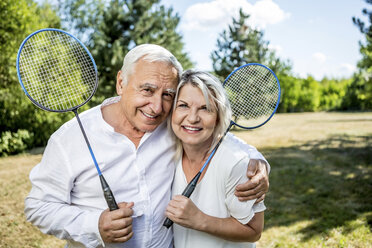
(317,36)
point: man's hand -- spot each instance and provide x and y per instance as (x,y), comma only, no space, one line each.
(258,185)
(116,226)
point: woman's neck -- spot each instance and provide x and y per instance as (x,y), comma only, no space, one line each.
(193,160)
(195,156)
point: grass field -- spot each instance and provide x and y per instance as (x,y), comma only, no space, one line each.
(320,184)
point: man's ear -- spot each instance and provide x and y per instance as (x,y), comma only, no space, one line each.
(119,83)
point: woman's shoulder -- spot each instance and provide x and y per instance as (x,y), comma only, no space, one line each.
(230,153)
(232,147)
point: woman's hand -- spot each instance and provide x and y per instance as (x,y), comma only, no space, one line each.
(184,212)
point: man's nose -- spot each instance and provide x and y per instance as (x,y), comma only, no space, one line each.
(157,104)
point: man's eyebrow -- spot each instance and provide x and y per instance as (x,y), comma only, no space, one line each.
(148,85)
(152,86)
(172,91)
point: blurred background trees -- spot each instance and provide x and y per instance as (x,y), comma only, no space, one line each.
(22,125)
(110,28)
(359,93)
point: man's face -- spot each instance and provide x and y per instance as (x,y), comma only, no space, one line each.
(147,98)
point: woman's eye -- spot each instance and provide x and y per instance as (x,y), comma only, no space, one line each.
(182,105)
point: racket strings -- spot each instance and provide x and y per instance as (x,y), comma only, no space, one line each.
(253,94)
(56,71)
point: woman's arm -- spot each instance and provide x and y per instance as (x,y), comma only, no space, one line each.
(184,212)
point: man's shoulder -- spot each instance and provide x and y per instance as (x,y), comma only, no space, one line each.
(71,127)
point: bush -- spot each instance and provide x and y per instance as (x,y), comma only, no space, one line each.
(15,142)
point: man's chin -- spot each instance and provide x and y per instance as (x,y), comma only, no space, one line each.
(148,128)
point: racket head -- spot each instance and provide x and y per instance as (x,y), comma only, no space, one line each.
(254,94)
(56,71)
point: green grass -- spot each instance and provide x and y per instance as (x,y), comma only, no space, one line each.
(320,184)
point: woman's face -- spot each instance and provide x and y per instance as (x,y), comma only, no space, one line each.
(192,123)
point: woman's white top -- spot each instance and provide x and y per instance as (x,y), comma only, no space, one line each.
(214,195)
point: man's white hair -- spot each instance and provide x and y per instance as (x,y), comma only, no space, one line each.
(150,53)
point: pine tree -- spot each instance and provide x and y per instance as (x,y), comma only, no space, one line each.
(241,44)
(359,94)
(365,49)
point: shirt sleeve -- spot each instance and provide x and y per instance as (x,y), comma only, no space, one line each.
(259,207)
(250,150)
(48,205)
(241,211)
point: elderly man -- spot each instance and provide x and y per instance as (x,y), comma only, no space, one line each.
(134,150)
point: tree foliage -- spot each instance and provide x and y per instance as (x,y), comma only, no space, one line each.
(242,44)
(109,29)
(17,114)
(359,95)
(113,27)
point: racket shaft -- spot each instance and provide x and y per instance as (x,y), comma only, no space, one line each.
(110,199)
(187,192)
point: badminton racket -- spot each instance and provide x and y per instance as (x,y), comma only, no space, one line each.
(254,94)
(58,74)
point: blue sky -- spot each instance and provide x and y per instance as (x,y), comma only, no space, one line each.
(317,36)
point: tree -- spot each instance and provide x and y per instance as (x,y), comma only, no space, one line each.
(21,123)
(18,19)
(241,44)
(113,27)
(359,95)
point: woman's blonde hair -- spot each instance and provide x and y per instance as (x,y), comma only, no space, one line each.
(212,89)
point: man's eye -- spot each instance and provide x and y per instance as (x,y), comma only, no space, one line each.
(147,91)
(168,96)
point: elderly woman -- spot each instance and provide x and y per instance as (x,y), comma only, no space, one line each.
(213,216)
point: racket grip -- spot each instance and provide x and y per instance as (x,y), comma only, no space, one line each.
(190,188)
(187,192)
(168,223)
(110,199)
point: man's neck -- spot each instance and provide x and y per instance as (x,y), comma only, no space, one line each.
(114,117)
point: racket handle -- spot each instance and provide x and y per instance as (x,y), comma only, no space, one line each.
(168,223)
(187,192)
(110,199)
(191,186)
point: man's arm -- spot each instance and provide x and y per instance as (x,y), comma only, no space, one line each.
(257,172)
(64,221)
(48,206)
(258,185)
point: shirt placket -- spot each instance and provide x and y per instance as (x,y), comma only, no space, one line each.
(144,190)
